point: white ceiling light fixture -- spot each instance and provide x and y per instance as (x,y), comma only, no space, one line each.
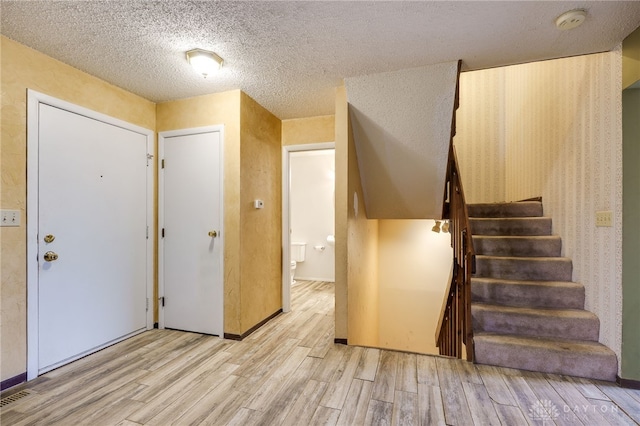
(204,62)
(571,19)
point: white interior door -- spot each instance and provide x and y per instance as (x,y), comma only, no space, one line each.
(92,243)
(191,231)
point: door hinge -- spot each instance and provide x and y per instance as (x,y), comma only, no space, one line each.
(162,301)
(147,304)
(162,232)
(147,232)
(163,163)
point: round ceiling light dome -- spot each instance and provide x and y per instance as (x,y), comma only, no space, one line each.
(571,19)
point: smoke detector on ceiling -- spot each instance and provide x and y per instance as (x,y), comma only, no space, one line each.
(571,19)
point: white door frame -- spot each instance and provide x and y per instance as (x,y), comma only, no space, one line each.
(161,141)
(286,214)
(34,99)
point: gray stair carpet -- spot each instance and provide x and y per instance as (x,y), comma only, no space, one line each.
(526,312)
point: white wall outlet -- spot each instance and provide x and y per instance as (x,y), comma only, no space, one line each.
(604,218)
(258,204)
(9,217)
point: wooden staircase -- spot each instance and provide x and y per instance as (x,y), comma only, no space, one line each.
(526,312)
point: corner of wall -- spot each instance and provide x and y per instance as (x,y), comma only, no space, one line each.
(261,229)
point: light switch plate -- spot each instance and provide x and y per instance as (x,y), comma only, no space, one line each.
(9,217)
(604,218)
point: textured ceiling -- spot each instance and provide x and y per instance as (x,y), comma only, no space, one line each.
(290,55)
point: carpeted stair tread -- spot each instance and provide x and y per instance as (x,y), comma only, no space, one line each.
(512,226)
(514,209)
(526,312)
(531,246)
(557,323)
(524,268)
(557,356)
(527,293)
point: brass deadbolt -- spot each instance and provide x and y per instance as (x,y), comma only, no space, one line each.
(49,238)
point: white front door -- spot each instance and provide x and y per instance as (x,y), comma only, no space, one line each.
(92,242)
(191,247)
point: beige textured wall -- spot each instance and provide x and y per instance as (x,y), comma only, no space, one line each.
(208,110)
(414,265)
(261,229)
(362,260)
(308,130)
(563,141)
(564,138)
(342,133)
(23,68)
(631,59)
(480,135)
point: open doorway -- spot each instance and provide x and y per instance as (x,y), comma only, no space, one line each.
(308,215)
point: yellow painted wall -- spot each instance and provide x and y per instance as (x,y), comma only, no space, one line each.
(556,127)
(252,170)
(23,68)
(414,266)
(308,130)
(342,173)
(208,110)
(260,229)
(631,59)
(356,242)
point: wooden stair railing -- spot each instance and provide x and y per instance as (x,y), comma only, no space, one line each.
(454,326)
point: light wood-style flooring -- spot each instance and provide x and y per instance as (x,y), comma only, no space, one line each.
(290,372)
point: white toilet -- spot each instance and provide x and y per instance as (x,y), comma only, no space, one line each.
(297,252)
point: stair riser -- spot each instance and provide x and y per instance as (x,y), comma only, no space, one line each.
(557,269)
(534,296)
(514,227)
(535,325)
(523,209)
(589,365)
(532,247)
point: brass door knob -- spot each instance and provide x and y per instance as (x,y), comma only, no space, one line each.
(50,256)
(213,234)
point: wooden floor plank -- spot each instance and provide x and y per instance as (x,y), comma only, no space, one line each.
(305,406)
(338,388)
(586,411)
(368,364)
(480,404)
(284,400)
(547,394)
(324,416)
(522,394)
(622,399)
(407,378)
(510,415)
(379,413)
(264,395)
(588,388)
(614,415)
(405,409)
(354,411)
(468,372)
(384,386)
(427,372)
(456,408)
(496,386)
(430,407)
(291,372)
